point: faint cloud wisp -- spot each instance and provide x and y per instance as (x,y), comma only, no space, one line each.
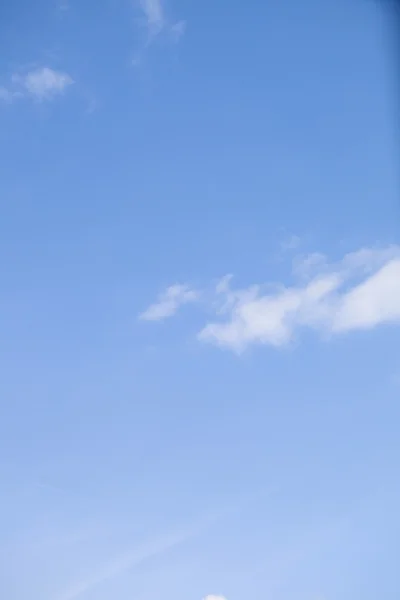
(169,303)
(41,84)
(122,564)
(157,23)
(154,14)
(44,83)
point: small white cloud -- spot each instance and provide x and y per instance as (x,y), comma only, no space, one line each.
(39,84)
(169,302)
(252,317)
(213,597)
(43,83)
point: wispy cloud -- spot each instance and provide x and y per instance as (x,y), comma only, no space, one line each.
(177,30)
(157,21)
(169,302)
(153,11)
(122,564)
(7,95)
(44,83)
(361,291)
(63,5)
(213,597)
(291,242)
(38,84)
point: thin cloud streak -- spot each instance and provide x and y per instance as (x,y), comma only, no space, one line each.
(124,563)
(136,557)
(169,302)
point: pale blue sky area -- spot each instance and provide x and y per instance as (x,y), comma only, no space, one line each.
(199,301)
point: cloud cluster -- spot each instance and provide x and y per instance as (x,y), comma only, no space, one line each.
(361,291)
(38,84)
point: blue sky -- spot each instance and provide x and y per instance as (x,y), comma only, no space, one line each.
(200,301)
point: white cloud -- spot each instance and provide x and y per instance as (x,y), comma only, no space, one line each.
(360,291)
(213,597)
(39,84)
(169,302)
(157,21)
(153,11)
(43,83)
(375,301)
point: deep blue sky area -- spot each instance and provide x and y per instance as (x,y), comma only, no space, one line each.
(199,300)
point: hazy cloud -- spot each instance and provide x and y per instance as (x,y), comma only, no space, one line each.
(122,564)
(157,21)
(7,95)
(43,83)
(153,11)
(169,302)
(63,5)
(39,84)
